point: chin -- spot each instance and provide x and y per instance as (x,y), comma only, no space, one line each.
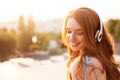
(75,50)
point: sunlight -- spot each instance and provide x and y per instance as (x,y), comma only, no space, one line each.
(42,9)
(34,39)
(49,9)
(7,70)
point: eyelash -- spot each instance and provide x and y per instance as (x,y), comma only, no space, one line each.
(79,33)
(68,31)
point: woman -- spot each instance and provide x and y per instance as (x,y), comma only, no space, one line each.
(90,47)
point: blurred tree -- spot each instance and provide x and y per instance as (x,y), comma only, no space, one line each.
(43,40)
(58,39)
(31,24)
(26,33)
(117,31)
(21,26)
(61,47)
(34,47)
(25,40)
(13,32)
(113,28)
(111,24)
(4,29)
(8,45)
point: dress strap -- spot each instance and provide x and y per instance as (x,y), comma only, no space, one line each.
(85,67)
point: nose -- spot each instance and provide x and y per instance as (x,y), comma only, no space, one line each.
(72,37)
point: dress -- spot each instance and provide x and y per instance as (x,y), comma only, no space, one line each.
(88,61)
(73,68)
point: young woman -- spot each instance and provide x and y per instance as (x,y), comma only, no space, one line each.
(90,47)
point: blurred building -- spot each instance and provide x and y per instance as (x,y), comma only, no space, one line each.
(53,26)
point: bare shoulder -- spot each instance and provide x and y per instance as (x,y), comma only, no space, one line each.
(96,63)
(96,70)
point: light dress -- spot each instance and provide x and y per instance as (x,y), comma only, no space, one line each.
(73,68)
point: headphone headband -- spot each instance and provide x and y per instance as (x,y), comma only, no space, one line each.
(99,32)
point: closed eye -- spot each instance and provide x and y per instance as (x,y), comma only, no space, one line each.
(80,33)
(68,31)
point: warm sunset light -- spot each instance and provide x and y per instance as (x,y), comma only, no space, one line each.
(49,9)
(32,46)
(34,39)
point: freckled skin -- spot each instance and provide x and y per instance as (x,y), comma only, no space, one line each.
(74,35)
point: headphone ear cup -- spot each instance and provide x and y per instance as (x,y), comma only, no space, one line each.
(99,37)
(96,35)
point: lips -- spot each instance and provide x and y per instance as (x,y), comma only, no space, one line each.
(74,44)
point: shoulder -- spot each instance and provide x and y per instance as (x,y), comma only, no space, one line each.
(96,69)
(96,63)
(93,62)
(74,64)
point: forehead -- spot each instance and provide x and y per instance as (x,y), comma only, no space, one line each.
(73,24)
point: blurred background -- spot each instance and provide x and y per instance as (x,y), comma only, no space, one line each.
(30,36)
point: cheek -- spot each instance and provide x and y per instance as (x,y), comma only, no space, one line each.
(79,38)
(82,39)
(67,36)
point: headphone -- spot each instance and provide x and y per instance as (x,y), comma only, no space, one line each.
(98,35)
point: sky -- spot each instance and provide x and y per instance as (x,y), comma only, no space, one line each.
(10,10)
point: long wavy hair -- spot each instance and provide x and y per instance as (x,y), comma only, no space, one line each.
(89,20)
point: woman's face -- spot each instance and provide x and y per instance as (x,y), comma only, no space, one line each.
(74,35)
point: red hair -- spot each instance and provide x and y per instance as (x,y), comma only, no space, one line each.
(103,51)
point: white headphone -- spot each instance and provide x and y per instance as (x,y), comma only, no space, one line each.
(98,35)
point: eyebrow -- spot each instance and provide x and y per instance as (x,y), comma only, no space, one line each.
(75,29)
